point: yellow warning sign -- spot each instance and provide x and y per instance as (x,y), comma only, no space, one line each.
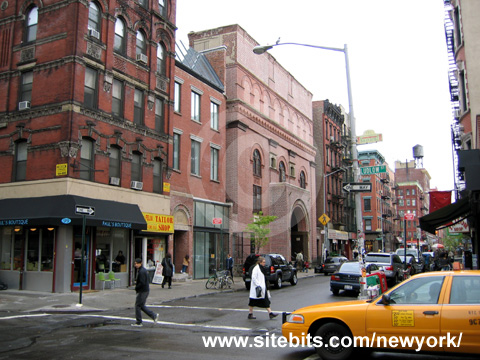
(324,219)
(403,318)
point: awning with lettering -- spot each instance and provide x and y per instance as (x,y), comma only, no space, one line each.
(444,216)
(62,210)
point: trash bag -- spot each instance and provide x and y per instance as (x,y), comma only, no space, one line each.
(3,286)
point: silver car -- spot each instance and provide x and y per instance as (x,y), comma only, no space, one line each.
(333,263)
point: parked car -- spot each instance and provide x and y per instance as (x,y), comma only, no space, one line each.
(418,264)
(332,264)
(428,304)
(279,269)
(349,275)
(391,263)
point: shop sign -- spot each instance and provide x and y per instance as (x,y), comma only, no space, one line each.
(461,227)
(159,223)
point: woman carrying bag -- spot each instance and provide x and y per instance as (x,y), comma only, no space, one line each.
(259,291)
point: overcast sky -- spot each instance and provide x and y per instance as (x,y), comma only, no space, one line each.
(398,64)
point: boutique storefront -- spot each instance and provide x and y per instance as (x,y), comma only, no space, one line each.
(41,241)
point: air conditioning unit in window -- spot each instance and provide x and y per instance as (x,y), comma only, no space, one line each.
(142,58)
(136,185)
(114,181)
(24,105)
(94,33)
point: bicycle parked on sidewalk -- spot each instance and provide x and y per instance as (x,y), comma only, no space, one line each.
(220,280)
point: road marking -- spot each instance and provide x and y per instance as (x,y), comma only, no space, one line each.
(202,308)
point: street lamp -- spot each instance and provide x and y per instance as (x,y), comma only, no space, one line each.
(358,206)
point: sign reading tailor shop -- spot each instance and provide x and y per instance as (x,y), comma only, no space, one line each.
(159,223)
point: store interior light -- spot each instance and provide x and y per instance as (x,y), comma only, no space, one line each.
(50,229)
(33,229)
(17,229)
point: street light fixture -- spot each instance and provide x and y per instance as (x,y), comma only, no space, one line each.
(358,206)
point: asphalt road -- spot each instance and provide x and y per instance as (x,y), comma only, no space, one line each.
(181,333)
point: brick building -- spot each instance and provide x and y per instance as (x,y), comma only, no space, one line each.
(377,207)
(85,120)
(270,153)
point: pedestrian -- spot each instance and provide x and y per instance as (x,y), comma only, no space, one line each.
(167,271)
(142,289)
(299,261)
(229,264)
(186,262)
(259,293)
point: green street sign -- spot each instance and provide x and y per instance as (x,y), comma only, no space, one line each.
(372,170)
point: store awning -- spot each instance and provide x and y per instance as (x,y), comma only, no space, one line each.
(457,210)
(61,210)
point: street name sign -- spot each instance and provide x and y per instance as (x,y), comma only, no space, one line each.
(372,170)
(357,187)
(84,210)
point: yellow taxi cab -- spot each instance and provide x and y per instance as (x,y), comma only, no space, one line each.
(430,312)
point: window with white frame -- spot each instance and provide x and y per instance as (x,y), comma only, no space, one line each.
(177,97)
(94,17)
(119,41)
(91,88)
(195,106)
(214,157)
(214,115)
(141,45)
(20,160)
(26,86)
(161,60)
(176,149)
(195,156)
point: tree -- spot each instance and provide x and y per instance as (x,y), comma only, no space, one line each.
(260,230)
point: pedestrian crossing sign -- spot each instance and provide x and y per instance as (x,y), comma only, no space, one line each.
(324,219)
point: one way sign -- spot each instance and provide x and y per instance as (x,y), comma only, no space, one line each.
(84,210)
(357,187)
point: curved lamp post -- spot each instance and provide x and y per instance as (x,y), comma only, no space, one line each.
(358,206)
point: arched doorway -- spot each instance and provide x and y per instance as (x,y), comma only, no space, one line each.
(299,233)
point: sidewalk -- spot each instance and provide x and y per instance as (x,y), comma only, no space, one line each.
(108,299)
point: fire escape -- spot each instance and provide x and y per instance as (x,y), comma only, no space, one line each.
(454,96)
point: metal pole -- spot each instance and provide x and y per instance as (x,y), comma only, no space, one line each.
(356,172)
(84,222)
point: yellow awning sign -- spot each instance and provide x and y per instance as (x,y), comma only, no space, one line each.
(159,223)
(403,318)
(324,219)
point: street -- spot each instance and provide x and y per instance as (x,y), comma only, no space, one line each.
(181,333)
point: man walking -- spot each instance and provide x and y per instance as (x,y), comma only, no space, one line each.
(229,265)
(143,289)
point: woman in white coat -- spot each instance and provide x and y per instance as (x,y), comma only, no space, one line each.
(258,279)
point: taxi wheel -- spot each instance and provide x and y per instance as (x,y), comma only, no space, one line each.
(337,342)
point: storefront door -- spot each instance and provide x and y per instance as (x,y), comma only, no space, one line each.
(77,261)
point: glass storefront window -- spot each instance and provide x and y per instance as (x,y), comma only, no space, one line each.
(6,249)
(111,250)
(33,249)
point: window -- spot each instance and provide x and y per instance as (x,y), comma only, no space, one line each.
(401,202)
(282,172)
(20,160)
(257,199)
(32,22)
(40,245)
(157,176)
(144,3)
(413,191)
(94,16)
(26,87)
(138,107)
(119,42)
(115,162)
(195,158)
(176,151)
(368,224)
(161,61)
(86,168)
(90,94)
(117,98)
(162,5)
(195,106)
(214,150)
(136,167)
(303,181)
(367,204)
(141,47)
(159,115)
(257,163)
(214,115)
(414,203)
(292,170)
(408,191)
(177,97)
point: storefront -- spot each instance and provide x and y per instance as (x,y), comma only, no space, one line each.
(210,238)
(41,241)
